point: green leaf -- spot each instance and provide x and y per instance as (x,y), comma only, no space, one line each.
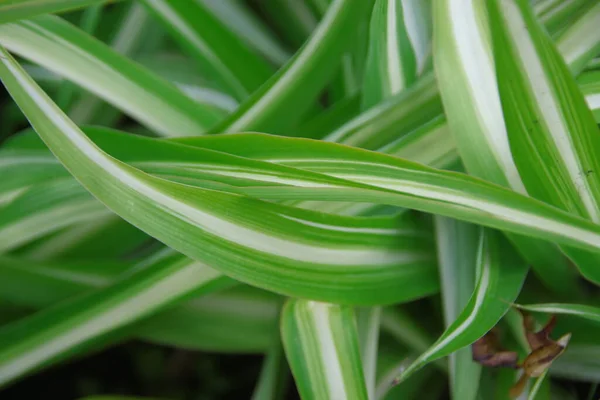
(47,208)
(589,83)
(368,323)
(85,321)
(321,344)
(553,136)
(221,55)
(239,18)
(467,81)
(237,320)
(274,374)
(66,50)
(457,258)
(283,99)
(554,14)
(399,43)
(14,10)
(580,41)
(392,118)
(261,243)
(579,310)
(500,276)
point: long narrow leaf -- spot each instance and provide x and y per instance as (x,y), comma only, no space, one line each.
(281,101)
(222,55)
(236,320)
(553,135)
(500,276)
(64,49)
(474,113)
(321,343)
(399,43)
(15,10)
(457,254)
(58,332)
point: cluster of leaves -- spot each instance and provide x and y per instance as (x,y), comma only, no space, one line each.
(288,178)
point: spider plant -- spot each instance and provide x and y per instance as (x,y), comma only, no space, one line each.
(361,191)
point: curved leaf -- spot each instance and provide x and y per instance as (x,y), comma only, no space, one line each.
(222,55)
(282,100)
(85,321)
(66,50)
(500,276)
(457,245)
(235,320)
(553,135)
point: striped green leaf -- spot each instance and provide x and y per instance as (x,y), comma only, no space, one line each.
(47,208)
(474,112)
(265,244)
(589,83)
(457,246)
(580,310)
(283,99)
(399,43)
(553,135)
(554,14)
(321,344)
(15,10)
(68,51)
(239,18)
(221,55)
(340,166)
(85,321)
(368,321)
(580,41)
(500,275)
(238,320)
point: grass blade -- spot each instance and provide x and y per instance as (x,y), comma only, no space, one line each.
(321,344)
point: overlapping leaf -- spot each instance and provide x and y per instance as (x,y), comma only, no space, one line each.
(500,276)
(62,48)
(399,43)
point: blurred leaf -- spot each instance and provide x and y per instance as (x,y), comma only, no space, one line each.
(15,10)
(221,54)
(68,51)
(283,99)
(321,344)
(238,17)
(86,320)
(399,43)
(589,83)
(580,42)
